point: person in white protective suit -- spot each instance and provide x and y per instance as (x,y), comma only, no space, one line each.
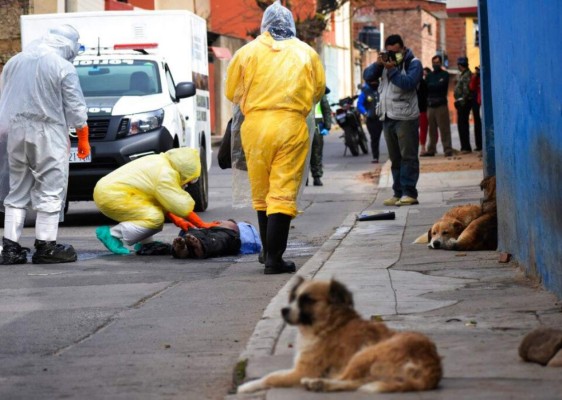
(40,98)
(275,79)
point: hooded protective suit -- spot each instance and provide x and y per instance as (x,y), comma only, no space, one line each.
(139,193)
(40,97)
(275,80)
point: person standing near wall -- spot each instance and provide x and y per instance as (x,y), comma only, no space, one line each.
(422,104)
(401,73)
(367,106)
(323,119)
(463,104)
(437,109)
(474,87)
(276,79)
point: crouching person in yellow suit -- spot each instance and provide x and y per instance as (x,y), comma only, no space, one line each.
(142,192)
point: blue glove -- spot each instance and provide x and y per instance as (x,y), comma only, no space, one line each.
(324,132)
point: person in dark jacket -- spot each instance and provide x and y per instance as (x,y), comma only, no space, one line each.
(437,109)
(367,105)
(323,119)
(400,74)
(463,104)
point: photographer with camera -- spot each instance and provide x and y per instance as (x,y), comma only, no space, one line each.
(398,108)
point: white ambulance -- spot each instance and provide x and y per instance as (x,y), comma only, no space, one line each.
(144,75)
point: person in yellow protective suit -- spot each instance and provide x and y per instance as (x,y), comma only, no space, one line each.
(275,79)
(140,193)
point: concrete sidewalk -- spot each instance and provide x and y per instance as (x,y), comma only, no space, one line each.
(476,309)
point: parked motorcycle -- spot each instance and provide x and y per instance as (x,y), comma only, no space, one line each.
(349,119)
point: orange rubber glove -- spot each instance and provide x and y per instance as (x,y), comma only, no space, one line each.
(199,223)
(83,143)
(180,222)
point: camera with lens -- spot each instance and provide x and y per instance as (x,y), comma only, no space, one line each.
(388,56)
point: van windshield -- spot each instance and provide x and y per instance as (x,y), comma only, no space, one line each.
(118,77)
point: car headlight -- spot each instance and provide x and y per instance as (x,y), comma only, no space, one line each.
(144,122)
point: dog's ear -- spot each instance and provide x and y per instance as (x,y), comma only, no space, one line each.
(458,226)
(339,294)
(293,293)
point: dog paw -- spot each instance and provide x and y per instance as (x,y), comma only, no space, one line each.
(313,384)
(250,387)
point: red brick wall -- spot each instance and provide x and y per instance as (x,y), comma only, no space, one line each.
(456,40)
(237,18)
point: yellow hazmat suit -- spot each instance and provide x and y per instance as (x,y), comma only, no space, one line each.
(142,191)
(275,82)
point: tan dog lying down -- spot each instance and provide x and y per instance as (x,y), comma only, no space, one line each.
(337,350)
(468,227)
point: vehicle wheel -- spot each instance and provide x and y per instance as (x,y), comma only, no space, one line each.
(351,141)
(200,191)
(363,143)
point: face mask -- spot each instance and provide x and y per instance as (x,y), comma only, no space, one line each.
(399,58)
(437,68)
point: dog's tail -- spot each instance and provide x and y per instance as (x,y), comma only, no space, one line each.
(422,239)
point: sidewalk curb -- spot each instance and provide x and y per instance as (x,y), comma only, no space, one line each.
(267,330)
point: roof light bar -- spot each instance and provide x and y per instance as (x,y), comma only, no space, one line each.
(135,46)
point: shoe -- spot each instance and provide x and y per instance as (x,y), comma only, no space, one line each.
(448,154)
(391,202)
(153,249)
(407,201)
(375,161)
(317,182)
(112,243)
(426,154)
(278,226)
(13,253)
(49,252)
(478,149)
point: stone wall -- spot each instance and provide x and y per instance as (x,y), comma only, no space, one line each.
(10,12)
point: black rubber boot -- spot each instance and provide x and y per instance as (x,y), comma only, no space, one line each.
(52,253)
(318,181)
(13,253)
(278,226)
(262,222)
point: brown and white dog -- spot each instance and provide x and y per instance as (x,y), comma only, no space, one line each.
(468,227)
(338,350)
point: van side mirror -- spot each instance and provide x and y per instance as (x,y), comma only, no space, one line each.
(184,90)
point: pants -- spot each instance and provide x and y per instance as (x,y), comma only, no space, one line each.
(438,118)
(402,141)
(217,241)
(316,155)
(38,160)
(463,113)
(374,126)
(276,147)
(477,125)
(423,127)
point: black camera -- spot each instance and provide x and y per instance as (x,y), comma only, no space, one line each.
(388,56)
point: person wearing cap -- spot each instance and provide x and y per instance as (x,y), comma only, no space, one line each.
(463,104)
(40,99)
(400,72)
(323,120)
(276,79)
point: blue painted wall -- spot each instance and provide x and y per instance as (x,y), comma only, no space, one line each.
(525,72)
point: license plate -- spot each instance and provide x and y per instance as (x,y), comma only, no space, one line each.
(73,158)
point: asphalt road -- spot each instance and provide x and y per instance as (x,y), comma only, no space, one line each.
(131,327)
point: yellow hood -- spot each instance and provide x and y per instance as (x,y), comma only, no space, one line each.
(186,161)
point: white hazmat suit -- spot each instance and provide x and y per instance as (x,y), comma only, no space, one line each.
(40,98)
